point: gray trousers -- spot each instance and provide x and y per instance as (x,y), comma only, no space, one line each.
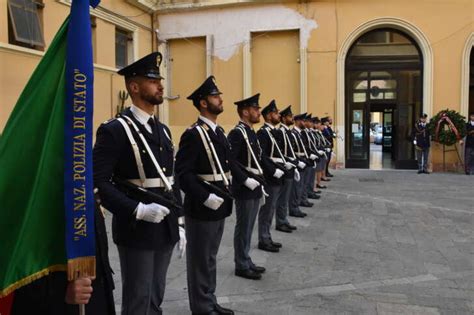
(296,193)
(422,157)
(311,179)
(283,202)
(246,214)
(265,215)
(305,179)
(204,239)
(469,160)
(143,279)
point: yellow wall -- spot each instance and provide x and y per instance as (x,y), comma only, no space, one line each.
(276,68)
(17,63)
(445,23)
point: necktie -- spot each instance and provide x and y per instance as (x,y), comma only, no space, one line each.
(152,124)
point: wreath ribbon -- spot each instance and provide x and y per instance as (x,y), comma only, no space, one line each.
(451,127)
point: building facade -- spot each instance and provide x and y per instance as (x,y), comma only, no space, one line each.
(351,60)
(121,31)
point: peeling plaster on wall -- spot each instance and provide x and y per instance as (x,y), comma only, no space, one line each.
(231,27)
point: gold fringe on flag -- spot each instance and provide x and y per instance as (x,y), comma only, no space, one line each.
(31,278)
(80,267)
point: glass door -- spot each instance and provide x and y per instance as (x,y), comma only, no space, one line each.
(358,121)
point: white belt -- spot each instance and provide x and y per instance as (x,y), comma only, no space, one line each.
(278,160)
(213,178)
(253,170)
(151,182)
(299,154)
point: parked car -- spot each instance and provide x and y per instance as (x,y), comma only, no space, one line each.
(378,139)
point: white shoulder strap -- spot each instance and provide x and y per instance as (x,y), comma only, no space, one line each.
(275,145)
(250,150)
(212,154)
(150,153)
(136,150)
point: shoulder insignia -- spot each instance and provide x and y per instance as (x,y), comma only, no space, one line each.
(107,121)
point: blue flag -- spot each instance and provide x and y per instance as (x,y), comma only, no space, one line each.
(78,128)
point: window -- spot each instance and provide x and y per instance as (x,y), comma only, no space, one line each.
(24,23)
(123,48)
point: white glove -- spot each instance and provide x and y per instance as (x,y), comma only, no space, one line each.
(213,201)
(251,183)
(313,157)
(414,142)
(278,173)
(152,212)
(264,192)
(328,150)
(297,176)
(301,165)
(182,241)
(288,165)
(320,152)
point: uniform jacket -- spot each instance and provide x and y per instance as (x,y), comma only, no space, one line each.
(113,156)
(469,135)
(191,160)
(269,151)
(241,154)
(421,135)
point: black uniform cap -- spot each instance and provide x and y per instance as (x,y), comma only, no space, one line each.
(316,120)
(299,117)
(270,108)
(251,101)
(286,112)
(423,115)
(308,117)
(148,66)
(208,87)
(324,119)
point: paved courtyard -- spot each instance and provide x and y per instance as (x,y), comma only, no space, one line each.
(377,242)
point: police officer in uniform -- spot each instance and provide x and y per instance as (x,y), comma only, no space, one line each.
(282,207)
(330,136)
(303,141)
(203,166)
(275,167)
(136,148)
(422,142)
(301,161)
(469,147)
(247,190)
(311,141)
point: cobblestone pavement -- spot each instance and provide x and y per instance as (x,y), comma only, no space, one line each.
(377,242)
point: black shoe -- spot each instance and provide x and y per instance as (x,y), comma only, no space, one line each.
(306,204)
(317,191)
(325,179)
(276,244)
(268,247)
(296,215)
(329,175)
(322,186)
(314,196)
(222,310)
(213,312)
(248,274)
(283,228)
(426,172)
(257,269)
(291,227)
(420,172)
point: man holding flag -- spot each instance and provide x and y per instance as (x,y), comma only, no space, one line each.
(48,228)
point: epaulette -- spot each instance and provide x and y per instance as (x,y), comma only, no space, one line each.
(108,121)
(192,126)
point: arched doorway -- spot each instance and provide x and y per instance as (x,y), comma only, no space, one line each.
(383,98)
